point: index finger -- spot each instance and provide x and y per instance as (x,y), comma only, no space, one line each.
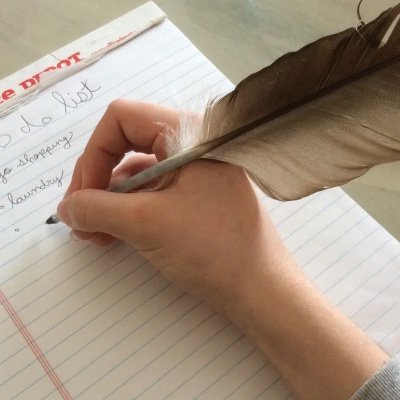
(126,125)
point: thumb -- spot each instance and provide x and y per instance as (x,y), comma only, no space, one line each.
(122,215)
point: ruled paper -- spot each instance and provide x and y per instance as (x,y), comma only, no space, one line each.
(79,322)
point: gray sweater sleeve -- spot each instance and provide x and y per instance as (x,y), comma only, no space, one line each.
(384,385)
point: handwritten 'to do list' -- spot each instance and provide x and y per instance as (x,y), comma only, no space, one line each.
(62,103)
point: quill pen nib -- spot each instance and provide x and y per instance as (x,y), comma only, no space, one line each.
(53,219)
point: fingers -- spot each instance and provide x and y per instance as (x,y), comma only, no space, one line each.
(131,166)
(94,210)
(76,180)
(98,238)
(126,125)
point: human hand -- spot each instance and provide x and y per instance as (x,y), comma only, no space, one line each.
(207,231)
(209,234)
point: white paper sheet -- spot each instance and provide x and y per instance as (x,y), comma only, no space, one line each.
(78,322)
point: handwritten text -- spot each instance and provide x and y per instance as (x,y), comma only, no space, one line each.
(71,102)
(31,158)
(43,184)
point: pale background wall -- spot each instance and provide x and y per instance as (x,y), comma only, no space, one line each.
(239,36)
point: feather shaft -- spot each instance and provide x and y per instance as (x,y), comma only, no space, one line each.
(170,164)
(315,118)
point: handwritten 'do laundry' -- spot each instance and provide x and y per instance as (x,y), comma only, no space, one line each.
(43,184)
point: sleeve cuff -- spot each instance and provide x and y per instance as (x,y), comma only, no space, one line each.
(384,385)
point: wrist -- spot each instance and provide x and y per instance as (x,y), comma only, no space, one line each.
(253,297)
(320,352)
(263,301)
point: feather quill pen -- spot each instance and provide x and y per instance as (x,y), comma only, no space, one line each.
(314,119)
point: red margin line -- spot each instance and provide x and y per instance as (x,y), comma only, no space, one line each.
(34,347)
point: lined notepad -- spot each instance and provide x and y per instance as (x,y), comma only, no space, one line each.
(79,322)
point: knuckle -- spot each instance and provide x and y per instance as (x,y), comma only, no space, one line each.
(142,213)
(115,107)
(144,225)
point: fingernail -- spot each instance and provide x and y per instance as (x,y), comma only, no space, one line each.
(62,212)
(73,236)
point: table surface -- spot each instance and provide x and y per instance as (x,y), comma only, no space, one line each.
(239,36)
